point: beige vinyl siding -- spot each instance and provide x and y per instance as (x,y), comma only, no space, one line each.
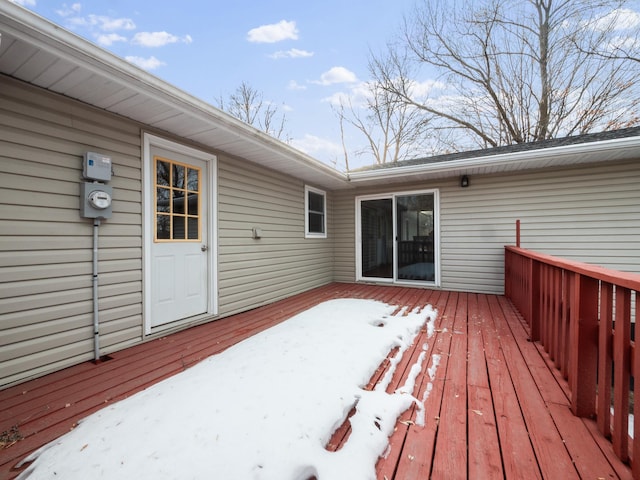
(46,319)
(46,308)
(589,213)
(345,236)
(254,272)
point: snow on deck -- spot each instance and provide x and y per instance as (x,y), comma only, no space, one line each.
(473,398)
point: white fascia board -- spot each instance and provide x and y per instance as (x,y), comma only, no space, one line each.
(512,159)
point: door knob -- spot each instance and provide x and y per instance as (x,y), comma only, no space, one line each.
(204,248)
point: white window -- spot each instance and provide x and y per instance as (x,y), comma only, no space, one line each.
(315,208)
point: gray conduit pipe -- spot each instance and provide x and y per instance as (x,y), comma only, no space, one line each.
(96,322)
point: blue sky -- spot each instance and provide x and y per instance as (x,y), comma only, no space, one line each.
(299,54)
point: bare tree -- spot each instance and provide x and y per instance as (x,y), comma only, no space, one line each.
(248,104)
(511,71)
(623,45)
(392,130)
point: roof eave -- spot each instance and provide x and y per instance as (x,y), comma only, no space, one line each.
(30,27)
(619,148)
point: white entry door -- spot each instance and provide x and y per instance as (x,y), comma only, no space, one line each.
(179,247)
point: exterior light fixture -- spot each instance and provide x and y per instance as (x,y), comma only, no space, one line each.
(464,181)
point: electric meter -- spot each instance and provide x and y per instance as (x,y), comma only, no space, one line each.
(99,199)
(95,200)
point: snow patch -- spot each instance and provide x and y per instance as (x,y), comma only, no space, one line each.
(262,409)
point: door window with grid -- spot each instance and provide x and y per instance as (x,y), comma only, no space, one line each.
(177,205)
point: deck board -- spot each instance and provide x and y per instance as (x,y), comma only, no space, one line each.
(493,409)
(553,458)
(416,445)
(450,456)
(420,441)
(485,460)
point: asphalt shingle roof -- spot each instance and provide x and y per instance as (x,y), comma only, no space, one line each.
(519,147)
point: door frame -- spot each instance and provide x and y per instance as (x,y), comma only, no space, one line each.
(436,231)
(148,169)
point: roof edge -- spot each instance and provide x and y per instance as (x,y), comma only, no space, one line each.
(503,159)
(53,38)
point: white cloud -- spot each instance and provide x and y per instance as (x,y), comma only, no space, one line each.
(292,53)
(273,33)
(619,19)
(157,39)
(109,24)
(426,88)
(293,85)
(338,98)
(358,94)
(622,43)
(24,3)
(67,10)
(362,93)
(103,23)
(314,145)
(109,39)
(336,75)
(150,63)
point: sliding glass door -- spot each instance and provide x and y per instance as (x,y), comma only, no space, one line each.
(397,237)
(377,238)
(416,242)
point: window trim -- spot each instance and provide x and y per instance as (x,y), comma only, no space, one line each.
(307,233)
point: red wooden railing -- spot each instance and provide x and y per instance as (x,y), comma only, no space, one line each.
(583,315)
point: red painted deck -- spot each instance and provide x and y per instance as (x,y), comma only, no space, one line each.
(495,409)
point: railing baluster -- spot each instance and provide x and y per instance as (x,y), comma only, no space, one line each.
(564,369)
(605,359)
(544,297)
(534,300)
(556,317)
(549,308)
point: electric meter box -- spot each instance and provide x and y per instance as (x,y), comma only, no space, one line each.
(95,200)
(96,166)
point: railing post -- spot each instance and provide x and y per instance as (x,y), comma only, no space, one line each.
(636,405)
(583,356)
(621,372)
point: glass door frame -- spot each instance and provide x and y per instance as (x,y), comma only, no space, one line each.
(436,233)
